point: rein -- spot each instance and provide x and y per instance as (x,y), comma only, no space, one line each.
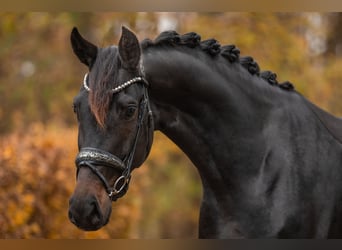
(92,157)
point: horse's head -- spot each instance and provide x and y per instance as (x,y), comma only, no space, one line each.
(115,126)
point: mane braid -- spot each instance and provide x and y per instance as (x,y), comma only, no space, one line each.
(213,48)
(190,40)
(168,38)
(231,52)
(251,65)
(287,86)
(270,77)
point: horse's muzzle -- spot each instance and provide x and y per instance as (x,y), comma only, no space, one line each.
(87,216)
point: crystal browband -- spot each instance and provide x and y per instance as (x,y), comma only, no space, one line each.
(118,88)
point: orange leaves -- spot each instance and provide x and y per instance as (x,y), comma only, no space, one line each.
(28,162)
(19,217)
(7,153)
(37,177)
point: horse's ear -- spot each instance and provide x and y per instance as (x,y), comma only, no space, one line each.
(83,49)
(129,49)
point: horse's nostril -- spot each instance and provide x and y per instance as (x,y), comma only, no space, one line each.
(95,213)
(72,218)
(71,200)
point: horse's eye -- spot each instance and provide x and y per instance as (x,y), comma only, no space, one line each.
(130,111)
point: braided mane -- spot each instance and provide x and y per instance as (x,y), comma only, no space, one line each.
(213,48)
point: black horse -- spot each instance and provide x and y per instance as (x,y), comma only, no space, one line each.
(269,160)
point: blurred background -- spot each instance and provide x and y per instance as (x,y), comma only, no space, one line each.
(39,76)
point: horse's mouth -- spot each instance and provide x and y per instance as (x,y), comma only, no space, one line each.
(91,225)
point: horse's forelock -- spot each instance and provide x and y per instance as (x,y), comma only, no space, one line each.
(99,105)
(104,78)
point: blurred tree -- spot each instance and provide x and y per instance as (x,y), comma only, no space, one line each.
(334,34)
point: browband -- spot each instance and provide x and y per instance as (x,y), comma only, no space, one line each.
(120,87)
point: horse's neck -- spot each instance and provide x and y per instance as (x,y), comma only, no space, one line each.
(205,110)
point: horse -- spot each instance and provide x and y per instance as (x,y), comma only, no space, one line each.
(269,160)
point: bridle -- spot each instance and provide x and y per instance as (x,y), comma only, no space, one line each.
(92,157)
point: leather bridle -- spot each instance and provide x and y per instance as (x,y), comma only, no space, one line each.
(92,157)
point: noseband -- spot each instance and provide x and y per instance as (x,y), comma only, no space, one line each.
(92,157)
